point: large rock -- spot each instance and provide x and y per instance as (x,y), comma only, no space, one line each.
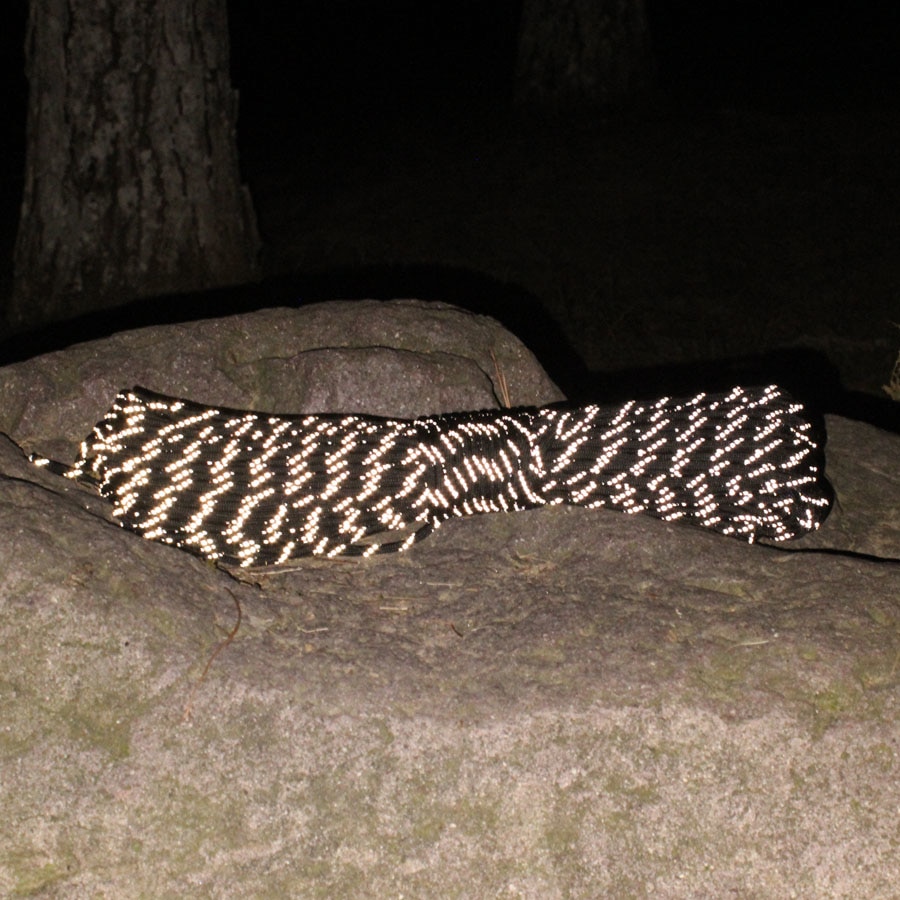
(558,703)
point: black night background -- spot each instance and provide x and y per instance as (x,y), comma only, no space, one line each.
(738,222)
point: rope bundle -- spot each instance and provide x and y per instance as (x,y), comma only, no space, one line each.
(246,488)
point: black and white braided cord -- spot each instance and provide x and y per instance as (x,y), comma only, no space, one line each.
(250,489)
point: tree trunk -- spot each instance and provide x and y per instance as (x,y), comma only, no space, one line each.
(582,53)
(132,186)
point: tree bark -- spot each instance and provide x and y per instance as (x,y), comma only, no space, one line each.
(576,53)
(132,187)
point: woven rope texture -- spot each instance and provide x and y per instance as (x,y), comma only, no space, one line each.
(250,489)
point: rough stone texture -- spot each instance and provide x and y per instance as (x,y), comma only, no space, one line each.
(557,703)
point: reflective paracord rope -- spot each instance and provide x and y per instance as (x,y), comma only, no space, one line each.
(246,488)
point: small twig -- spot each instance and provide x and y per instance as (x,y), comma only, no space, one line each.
(502,386)
(188,707)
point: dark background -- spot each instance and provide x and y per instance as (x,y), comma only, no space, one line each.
(343,56)
(353,114)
